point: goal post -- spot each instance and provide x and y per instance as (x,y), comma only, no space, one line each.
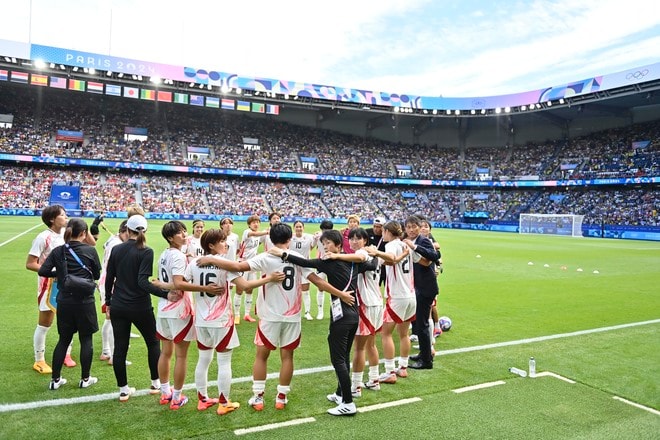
(551,224)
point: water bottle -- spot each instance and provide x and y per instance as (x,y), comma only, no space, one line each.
(532,367)
(518,371)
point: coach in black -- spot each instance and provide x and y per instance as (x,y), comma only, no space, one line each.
(426,289)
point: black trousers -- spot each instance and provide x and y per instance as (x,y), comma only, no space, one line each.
(71,319)
(421,326)
(145,322)
(340,341)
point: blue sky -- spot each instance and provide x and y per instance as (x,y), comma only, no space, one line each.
(450,48)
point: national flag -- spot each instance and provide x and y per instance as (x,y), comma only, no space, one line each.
(131,92)
(164,96)
(19,77)
(258,107)
(197,100)
(39,80)
(243,106)
(272,109)
(57,83)
(228,104)
(76,84)
(212,102)
(148,94)
(112,90)
(94,87)
(181,98)
(4,75)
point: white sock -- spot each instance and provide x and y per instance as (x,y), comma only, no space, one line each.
(202,371)
(403,362)
(389,365)
(356,379)
(107,338)
(320,300)
(373,373)
(431,330)
(307,301)
(283,389)
(165,388)
(68,349)
(39,342)
(258,387)
(237,304)
(248,303)
(224,374)
(176,394)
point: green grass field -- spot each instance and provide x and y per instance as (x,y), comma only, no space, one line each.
(503,310)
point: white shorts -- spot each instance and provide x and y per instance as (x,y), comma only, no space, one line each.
(219,338)
(400,310)
(175,329)
(43,293)
(274,335)
(371,320)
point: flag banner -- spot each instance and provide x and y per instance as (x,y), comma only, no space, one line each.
(212,102)
(94,87)
(181,98)
(258,107)
(272,109)
(39,80)
(228,104)
(112,90)
(131,92)
(147,94)
(57,83)
(164,96)
(4,75)
(19,77)
(197,100)
(78,85)
(243,106)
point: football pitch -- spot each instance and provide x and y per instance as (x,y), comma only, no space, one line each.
(588,311)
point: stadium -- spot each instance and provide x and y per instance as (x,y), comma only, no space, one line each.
(545,204)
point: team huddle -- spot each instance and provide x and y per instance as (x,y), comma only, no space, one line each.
(195,277)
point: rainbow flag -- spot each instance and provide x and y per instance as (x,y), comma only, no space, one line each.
(75,84)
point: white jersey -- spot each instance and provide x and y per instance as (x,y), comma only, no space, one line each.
(303,244)
(368,290)
(320,250)
(279,302)
(193,247)
(111,242)
(249,246)
(232,246)
(211,310)
(400,281)
(268,244)
(173,262)
(42,246)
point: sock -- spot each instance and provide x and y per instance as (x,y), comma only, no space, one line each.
(258,387)
(224,375)
(39,342)
(68,349)
(356,380)
(373,373)
(389,365)
(155,383)
(403,362)
(307,301)
(202,372)
(431,330)
(107,338)
(237,304)
(248,303)
(125,389)
(176,394)
(320,301)
(165,388)
(282,391)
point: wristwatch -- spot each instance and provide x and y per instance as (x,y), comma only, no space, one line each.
(285,255)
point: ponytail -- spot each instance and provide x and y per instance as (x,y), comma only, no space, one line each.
(74,229)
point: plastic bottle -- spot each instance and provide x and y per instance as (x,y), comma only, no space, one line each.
(532,367)
(518,371)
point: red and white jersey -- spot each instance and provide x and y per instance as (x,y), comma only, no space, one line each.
(211,310)
(111,242)
(400,281)
(42,246)
(249,246)
(193,247)
(173,262)
(268,244)
(279,302)
(303,244)
(232,246)
(368,290)
(320,250)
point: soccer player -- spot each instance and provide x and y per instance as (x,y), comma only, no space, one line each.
(353,222)
(303,243)
(174,325)
(273,219)
(326,225)
(214,321)
(249,247)
(227,224)
(192,248)
(54,217)
(400,302)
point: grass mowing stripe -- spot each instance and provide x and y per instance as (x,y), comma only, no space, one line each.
(270,426)
(637,405)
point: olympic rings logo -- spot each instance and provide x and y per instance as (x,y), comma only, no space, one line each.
(637,74)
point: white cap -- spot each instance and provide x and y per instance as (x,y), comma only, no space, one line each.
(136,223)
(379,221)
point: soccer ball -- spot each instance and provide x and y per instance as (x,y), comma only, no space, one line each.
(445,323)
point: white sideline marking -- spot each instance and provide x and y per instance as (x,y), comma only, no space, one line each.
(270,426)
(478,386)
(20,235)
(109,396)
(363,409)
(637,405)
(555,375)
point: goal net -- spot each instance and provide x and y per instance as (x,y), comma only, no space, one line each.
(551,224)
